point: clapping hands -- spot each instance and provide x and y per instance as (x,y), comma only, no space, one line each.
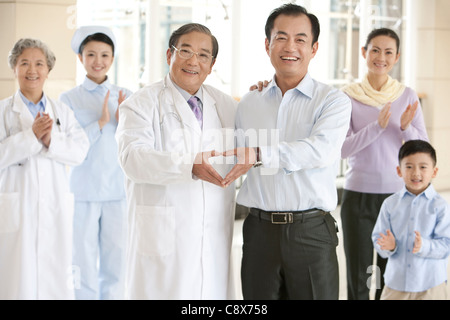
(405,120)
(408,116)
(42,128)
(105,117)
(387,241)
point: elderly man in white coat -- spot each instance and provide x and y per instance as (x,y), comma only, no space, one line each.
(39,139)
(180,215)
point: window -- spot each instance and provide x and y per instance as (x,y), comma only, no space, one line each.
(142,29)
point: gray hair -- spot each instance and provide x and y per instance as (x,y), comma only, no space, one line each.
(28,43)
(191,27)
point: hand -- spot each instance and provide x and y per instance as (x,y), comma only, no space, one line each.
(260,85)
(42,128)
(408,116)
(417,242)
(246,158)
(46,139)
(384,116)
(387,242)
(203,170)
(122,98)
(105,117)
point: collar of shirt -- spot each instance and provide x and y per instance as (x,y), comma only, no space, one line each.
(34,108)
(186,95)
(90,85)
(306,86)
(429,192)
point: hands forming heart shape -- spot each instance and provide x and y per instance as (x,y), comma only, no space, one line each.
(203,170)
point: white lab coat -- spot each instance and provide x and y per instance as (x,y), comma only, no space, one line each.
(180,228)
(36,206)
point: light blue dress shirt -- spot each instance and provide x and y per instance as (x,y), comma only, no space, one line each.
(99,177)
(186,95)
(404,213)
(34,108)
(300,136)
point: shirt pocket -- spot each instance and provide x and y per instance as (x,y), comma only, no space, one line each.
(155,230)
(9,212)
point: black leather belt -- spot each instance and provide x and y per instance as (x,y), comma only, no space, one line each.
(285,217)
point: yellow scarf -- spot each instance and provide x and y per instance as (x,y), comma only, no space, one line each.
(363,92)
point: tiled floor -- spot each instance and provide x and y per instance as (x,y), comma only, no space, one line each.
(237,254)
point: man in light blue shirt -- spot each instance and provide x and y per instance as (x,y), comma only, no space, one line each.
(297,125)
(307,122)
(413,230)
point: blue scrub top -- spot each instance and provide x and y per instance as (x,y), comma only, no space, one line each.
(99,177)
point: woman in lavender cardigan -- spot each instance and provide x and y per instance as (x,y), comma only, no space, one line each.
(385,113)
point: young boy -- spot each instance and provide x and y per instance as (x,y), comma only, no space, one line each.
(413,230)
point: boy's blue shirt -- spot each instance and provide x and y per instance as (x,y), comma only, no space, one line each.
(404,213)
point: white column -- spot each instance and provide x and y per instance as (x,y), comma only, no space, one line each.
(409,48)
(236,49)
(365,27)
(153,48)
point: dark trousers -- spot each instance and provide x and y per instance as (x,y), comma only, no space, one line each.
(359,213)
(291,261)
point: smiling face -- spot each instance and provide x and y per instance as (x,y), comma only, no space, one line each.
(97,57)
(189,74)
(381,55)
(417,171)
(31,71)
(290,47)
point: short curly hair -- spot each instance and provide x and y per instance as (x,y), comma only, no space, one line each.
(28,43)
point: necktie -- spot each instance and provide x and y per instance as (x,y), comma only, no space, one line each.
(194,103)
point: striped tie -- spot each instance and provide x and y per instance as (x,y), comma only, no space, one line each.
(194,103)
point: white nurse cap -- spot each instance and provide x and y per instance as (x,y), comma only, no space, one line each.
(85,31)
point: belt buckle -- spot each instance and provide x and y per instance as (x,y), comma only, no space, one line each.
(282,217)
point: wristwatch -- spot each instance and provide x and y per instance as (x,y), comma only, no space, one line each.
(258,162)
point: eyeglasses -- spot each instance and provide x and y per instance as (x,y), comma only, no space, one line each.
(187,54)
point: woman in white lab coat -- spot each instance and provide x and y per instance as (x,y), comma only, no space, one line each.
(180,227)
(39,139)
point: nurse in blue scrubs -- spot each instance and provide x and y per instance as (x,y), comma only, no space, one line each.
(98,183)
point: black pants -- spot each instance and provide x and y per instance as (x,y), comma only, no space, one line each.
(292,261)
(359,213)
